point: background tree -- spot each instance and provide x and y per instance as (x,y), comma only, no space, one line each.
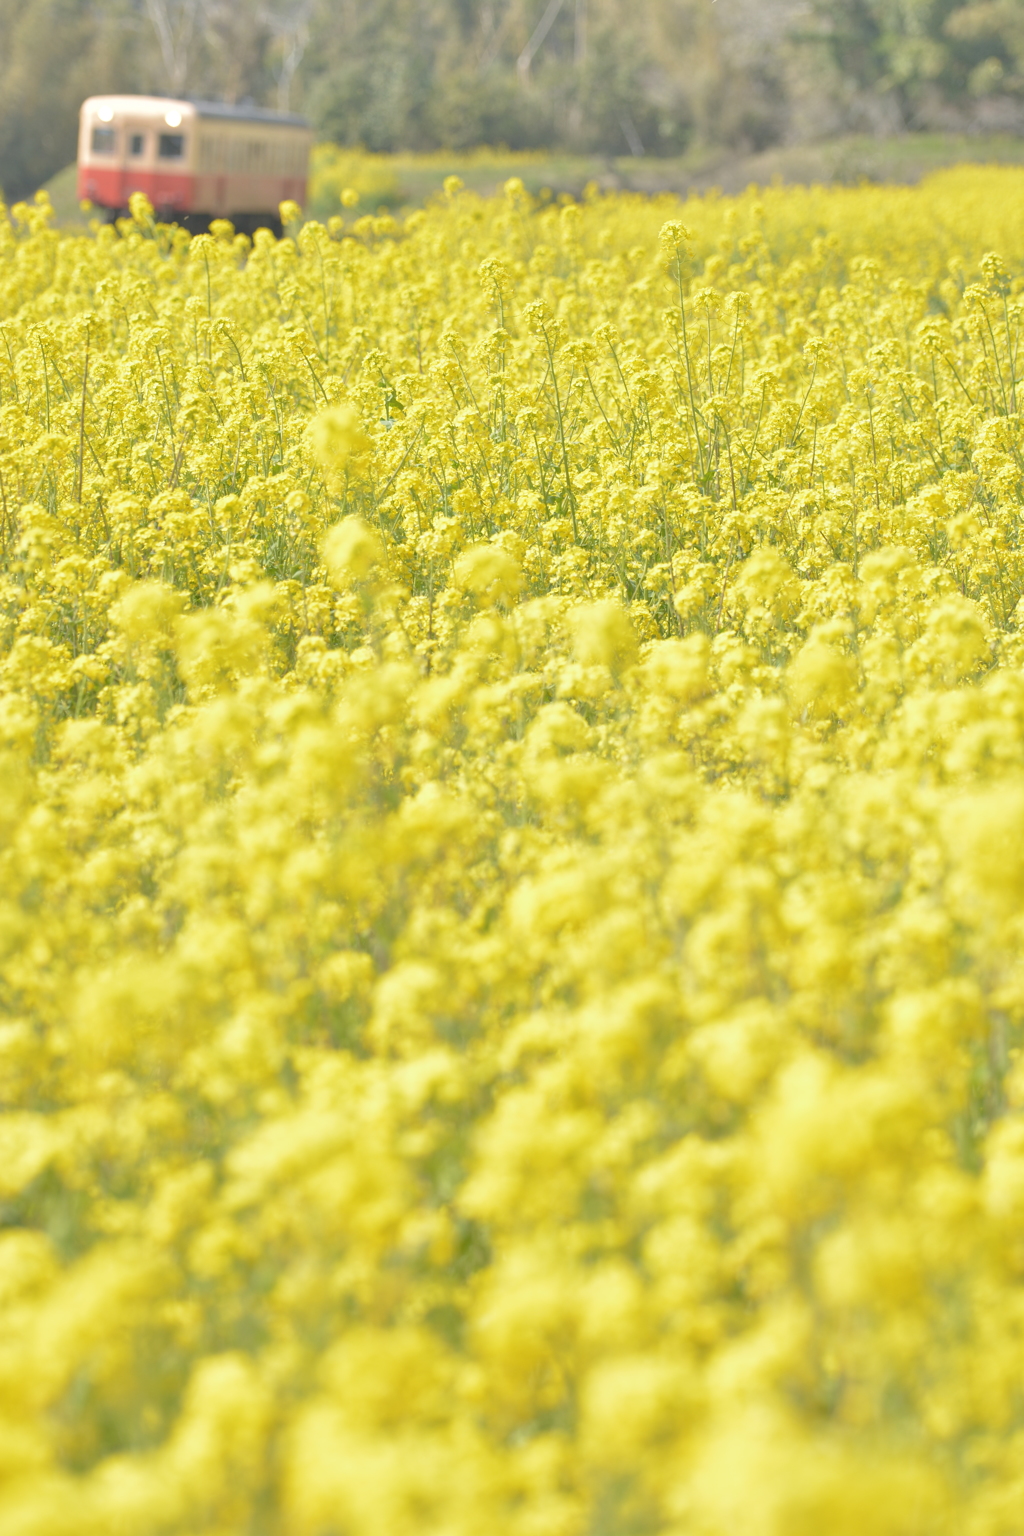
(601,76)
(52,54)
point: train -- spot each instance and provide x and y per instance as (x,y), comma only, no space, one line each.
(194,160)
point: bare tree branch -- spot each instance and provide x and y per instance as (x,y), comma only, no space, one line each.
(540,32)
(174,22)
(290,30)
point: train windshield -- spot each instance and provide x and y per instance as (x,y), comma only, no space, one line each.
(171,146)
(104,141)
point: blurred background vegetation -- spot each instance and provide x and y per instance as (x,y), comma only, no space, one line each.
(603,82)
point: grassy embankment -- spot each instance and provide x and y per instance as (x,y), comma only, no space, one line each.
(407,180)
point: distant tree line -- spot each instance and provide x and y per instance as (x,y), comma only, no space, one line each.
(602,76)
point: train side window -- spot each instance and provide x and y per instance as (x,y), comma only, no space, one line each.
(136,144)
(171,146)
(104,141)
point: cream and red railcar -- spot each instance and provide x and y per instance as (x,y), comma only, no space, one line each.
(194,160)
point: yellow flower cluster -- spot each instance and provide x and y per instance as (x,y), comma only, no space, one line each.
(512,870)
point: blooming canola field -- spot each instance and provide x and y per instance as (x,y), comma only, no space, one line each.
(512,869)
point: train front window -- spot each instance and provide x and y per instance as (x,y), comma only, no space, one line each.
(136,144)
(104,141)
(171,146)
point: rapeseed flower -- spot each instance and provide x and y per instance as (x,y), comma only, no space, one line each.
(512,743)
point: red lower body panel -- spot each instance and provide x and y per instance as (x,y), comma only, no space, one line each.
(168,191)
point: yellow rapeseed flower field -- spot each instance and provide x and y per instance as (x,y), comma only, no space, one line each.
(512,870)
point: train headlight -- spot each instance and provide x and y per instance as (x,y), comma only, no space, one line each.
(172,119)
(105,114)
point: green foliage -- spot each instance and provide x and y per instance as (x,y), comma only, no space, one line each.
(52,54)
(929,59)
(584,77)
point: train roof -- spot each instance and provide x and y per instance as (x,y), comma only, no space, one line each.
(223,111)
(248,114)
